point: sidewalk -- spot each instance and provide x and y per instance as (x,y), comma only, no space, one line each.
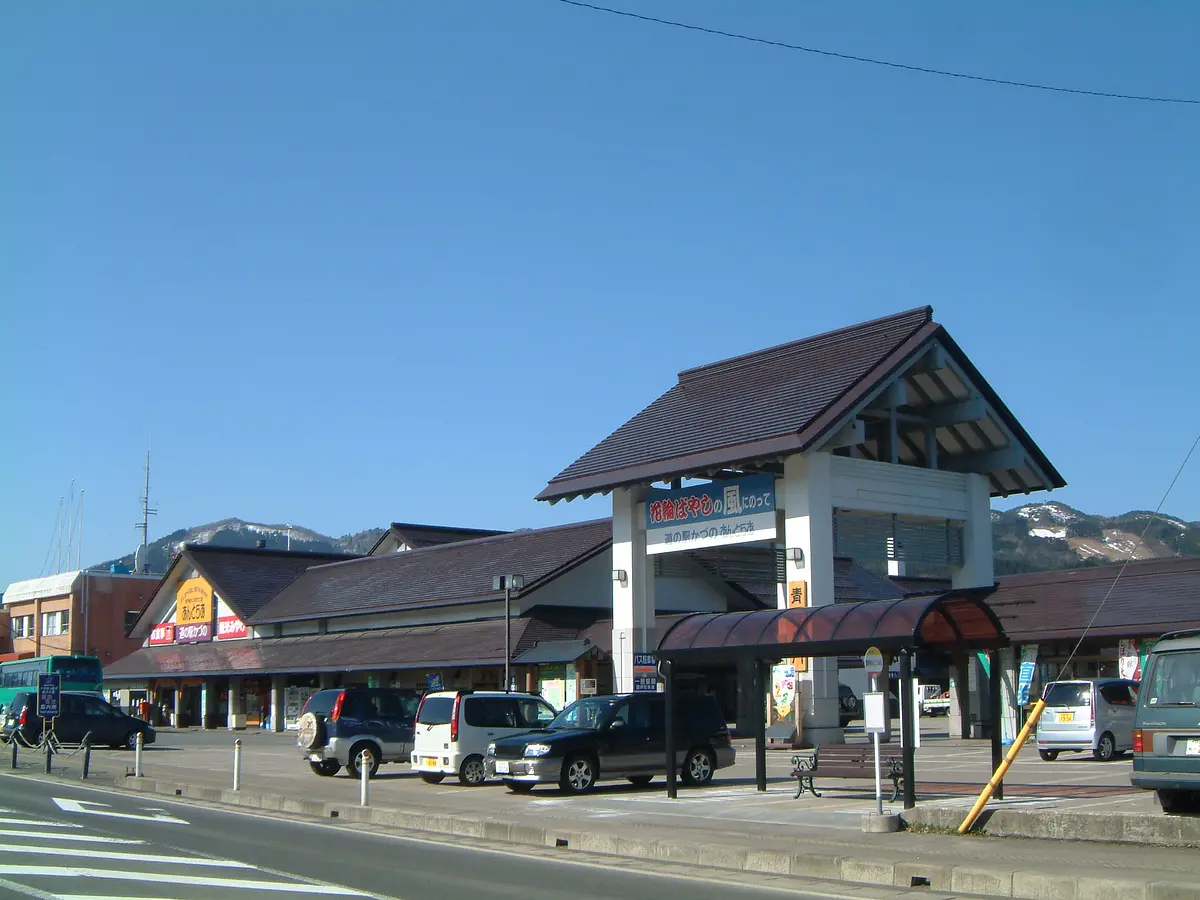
(711,827)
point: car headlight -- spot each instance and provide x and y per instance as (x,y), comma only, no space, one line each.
(491,750)
(537,749)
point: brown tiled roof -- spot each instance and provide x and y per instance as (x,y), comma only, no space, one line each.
(1151,597)
(768,404)
(416,536)
(436,576)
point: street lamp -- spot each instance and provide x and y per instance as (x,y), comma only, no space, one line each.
(508,584)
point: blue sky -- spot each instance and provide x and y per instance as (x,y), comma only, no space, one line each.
(346,263)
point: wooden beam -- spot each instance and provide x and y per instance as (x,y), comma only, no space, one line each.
(1010,457)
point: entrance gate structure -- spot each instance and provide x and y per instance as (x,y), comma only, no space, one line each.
(958,620)
(880,441)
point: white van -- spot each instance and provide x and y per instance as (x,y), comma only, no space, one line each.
(1088,715)
(454,729)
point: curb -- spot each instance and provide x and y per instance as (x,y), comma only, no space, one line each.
(967,879)
(1180,832)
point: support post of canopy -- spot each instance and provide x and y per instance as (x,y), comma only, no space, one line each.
(668,671)
(761,680)
(906,731)
(996,702)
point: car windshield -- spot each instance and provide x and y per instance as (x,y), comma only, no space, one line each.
(590,714)
(1175,679)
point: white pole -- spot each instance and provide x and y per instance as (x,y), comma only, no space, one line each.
(137,755)
(878,778)
(364,774)
(237,764)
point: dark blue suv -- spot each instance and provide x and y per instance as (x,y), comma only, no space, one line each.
(337,726)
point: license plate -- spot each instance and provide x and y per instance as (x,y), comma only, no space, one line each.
(429,760)
(1066,717)
(502,766)
(1193,747)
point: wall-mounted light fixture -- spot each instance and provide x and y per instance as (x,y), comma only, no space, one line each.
(620,575)
(796,555)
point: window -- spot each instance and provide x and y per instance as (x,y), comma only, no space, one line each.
(490,712)
(1117,694)
(22,627)
(436,711)
(1175,679)
(535,714)
(54,623)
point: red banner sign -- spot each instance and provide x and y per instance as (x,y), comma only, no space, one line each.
(162,634)
(229,627)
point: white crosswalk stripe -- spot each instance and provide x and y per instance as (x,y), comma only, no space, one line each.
(55,860)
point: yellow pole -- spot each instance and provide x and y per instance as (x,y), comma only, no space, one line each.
(1009,759)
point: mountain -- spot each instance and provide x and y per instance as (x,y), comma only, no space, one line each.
(237,533)
(1042,536)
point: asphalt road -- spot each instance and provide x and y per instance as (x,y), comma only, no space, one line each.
(62,841)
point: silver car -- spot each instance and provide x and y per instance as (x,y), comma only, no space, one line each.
(1093,716)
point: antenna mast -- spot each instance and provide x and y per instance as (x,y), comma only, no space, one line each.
(143,565)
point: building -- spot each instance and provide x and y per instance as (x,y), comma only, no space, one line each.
(84,612)
(402,536)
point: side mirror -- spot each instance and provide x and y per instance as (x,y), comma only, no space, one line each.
(617,723)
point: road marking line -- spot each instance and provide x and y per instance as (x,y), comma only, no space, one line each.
(42,822)
(127,857)
(58,836)
(93,808)
(189,880)
(26,891)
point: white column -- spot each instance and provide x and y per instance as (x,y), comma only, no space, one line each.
(236,717)
(278,688)
(807,489)
(976,570)
(633,600)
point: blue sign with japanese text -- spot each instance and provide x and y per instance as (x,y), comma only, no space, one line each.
(645,673)
(708,515)
(49,695)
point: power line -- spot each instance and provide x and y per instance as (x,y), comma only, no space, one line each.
(1129,558)
(850,57)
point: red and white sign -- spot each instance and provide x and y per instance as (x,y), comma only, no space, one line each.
(163,634)
(230,627)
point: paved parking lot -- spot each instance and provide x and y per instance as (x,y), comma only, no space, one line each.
(949,772)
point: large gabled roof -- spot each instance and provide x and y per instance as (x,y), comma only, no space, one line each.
(442,575)
(749,412)
(246,578)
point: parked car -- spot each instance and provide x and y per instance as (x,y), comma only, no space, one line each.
(623,736)
(1166,736)
(849,706)
(454,729)
(80,714)
(1089,715)
(337,726)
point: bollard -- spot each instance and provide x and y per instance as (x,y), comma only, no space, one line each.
(137,755)
(49,750)
(364,770)
(87,758)
(237,764)
(13,741)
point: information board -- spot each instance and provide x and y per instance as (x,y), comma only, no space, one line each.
(49,695)
(645,673)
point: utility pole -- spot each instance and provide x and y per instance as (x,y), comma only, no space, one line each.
(144,526)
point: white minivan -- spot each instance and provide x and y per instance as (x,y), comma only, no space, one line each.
(1088,715)
(454,729)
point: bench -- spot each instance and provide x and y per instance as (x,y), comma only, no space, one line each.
(849,761)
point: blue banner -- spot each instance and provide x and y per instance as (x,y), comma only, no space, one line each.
(645,673)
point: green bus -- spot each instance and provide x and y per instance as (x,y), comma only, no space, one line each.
(78,673)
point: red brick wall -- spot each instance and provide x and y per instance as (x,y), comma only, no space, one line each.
(109,597)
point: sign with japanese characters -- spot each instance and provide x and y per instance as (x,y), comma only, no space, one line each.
(645,672)
(708,515)
(230,627)
(193,634)
(163,633)
(194,602)
(49,694)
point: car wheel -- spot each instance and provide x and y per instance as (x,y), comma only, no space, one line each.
(326,768)
(640,780)
(131,740)
(471,772)
(518,787)
(1048,755)
(352,767)
(698,767)
(432,777)
(578,774)
(1106,749)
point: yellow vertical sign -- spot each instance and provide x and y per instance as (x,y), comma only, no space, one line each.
(797,598)
(194,602)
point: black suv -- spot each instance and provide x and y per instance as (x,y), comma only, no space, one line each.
(79,715)
(337,726)
(615,737)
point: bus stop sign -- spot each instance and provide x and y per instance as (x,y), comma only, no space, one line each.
(49,694)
